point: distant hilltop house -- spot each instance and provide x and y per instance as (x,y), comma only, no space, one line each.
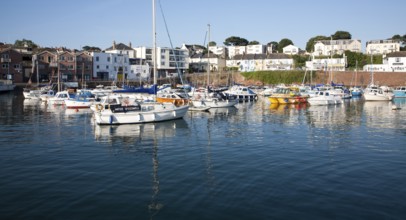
(291,50)
(382,46)
(331,47)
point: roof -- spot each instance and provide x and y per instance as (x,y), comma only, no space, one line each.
(120,46)
(397,54)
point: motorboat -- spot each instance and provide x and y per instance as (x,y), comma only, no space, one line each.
(324,98)
(117,109)
(243,93)
(376,93)
(84,99)
(400,92)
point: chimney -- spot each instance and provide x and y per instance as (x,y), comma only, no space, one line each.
(114,45)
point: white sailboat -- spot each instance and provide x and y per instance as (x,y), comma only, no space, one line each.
(374,92)
(211,99)
(123,110)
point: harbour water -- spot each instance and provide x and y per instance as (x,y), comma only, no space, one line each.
(254,161)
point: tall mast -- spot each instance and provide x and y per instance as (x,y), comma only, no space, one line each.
(154,40)
(208,58)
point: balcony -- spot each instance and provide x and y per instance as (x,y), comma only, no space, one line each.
(5,60)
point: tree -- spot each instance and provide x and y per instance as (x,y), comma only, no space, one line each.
(402,40)
(274,45)
(212,43)
(254,42)
(341,35)
(313,40)
(235,41)
(25,42)
(283,43)
(88,48)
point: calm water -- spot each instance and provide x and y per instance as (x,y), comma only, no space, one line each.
(255,161)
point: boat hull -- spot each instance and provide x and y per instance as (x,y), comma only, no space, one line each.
(158,112)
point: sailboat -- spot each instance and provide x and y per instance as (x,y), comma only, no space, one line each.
(208,98)
(374,92)
(119,109)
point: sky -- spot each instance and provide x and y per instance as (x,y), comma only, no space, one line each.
(77,23)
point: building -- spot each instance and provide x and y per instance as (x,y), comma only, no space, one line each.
(331,47)
(110,66)
(327,64)
(200,62)
(249,49)
(15,63)
(261,62)
(382,46)
(170,62)
(291,50)
(392,62)
(122,49)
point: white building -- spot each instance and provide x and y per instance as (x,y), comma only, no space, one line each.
(110,66)
(170,62)
(329,64)
(218,50)
(331,47)
(261,62)
(121,49)
(199,62)
(382,46)
(236,50)
(392,62)
(249,49)
(291,50)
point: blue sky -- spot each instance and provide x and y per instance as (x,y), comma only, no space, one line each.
(78,23)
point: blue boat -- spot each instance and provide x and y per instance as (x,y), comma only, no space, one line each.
(400,92)
(131,89)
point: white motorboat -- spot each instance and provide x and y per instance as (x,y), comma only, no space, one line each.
(376,93)
(125,110)
(324,98)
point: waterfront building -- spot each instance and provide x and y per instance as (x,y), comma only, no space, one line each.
(327,64)
(392,62)
(15,63)
(382,46)
(200,62)
(261,62)
(170,62)
(110,66)
(249,49)
(331,47)
(121,48)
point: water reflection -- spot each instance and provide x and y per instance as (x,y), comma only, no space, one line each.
(134,133)
(380,114)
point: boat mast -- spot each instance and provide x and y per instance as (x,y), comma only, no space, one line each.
(154,40)
(208,59)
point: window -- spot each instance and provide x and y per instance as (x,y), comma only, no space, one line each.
(5,65)
(97,67)
(397,59)
(97,59)
(107,66)
(108,59)
(115,59)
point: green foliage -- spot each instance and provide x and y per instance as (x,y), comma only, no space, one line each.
(212,43)
(313,40)
(358,60)
(341,35)
(300,60)
(283,43)
(275,77)
(89,48)
(254,42)
(25,42)
(274,46)
(235,41)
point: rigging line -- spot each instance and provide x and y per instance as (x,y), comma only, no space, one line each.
(173,51)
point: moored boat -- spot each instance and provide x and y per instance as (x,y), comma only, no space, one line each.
(400,92)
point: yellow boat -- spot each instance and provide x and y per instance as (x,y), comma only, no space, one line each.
(285,95)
